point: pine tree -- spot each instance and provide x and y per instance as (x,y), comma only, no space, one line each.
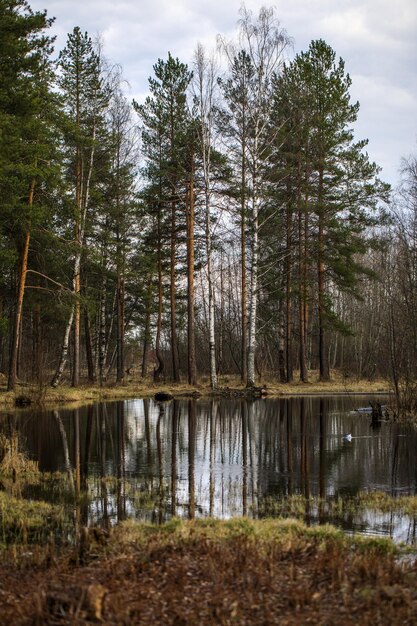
(234,124)
(335,187)
(165,119)
(27,108)
(86,96)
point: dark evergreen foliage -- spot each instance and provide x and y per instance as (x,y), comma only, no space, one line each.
(94,229)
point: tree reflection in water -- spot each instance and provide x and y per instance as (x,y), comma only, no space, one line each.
(223,458)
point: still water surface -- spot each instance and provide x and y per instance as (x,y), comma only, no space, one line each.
(223,458)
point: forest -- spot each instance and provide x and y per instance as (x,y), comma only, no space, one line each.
(166,261)
(229,224)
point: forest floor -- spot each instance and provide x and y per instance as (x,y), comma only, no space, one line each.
(146,388)
(209,572)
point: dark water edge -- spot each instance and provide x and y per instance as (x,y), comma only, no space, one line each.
(223,458)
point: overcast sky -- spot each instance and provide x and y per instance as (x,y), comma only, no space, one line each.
(376,38)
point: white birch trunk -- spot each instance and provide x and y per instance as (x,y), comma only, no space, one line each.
(102,334)
(212,336)
(264,43)
(250,382)
(253,298)
(64,351)
(75,310)
(206,80)
(65,449)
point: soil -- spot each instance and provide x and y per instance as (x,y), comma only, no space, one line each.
(200,575)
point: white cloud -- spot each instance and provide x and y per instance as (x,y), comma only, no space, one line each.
(387,117)
(376,38)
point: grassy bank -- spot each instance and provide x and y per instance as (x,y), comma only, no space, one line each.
(211,572)
(147,388)
(239,571)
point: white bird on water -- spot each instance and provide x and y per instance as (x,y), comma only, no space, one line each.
(347,437)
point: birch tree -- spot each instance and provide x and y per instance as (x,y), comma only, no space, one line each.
(120,197)
(205,89)
(261,46)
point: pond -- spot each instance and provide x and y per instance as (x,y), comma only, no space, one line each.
(223,458)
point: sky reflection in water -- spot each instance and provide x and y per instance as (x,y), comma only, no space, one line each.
(225,458)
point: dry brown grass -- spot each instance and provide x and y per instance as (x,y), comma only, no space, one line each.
(147,388)
(203,573)
(13,462)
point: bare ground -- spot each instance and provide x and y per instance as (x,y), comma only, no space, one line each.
(225,573)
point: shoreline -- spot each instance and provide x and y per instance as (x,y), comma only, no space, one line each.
(46,397)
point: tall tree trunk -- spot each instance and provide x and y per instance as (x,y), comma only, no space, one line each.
(323,355)
(2,338)
(244,344)
(64,352)
(288,294)
(301,295)
(19,304)
(206,84)
(120,327)
(65,344)
(212,336)
(37,344)
(253,310)
(192,370)
(281,344)
(253,283)
(77,317)
(302,354)
(114,353)
(220,366)
(209,254)
(102,332)
(120,254)
(147,333)
(174,347)
(78,240)
(305,276)
(395,370)
(82,198)
(160,369)
(110,363)
(89,348)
